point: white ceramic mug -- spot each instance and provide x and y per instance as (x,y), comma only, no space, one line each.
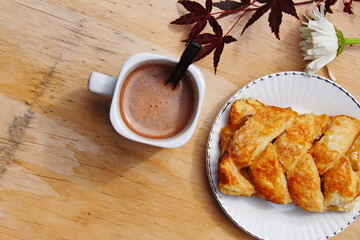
(109,86)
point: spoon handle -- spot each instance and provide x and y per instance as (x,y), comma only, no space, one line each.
(188,57)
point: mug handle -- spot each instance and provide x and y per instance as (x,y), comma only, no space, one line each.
(102,84)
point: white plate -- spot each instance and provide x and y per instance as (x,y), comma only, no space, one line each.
(262,219)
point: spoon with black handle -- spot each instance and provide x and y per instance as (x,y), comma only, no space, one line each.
(188,57)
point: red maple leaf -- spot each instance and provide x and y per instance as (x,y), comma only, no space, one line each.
(276,7)
(213,42)
(348,7)
(198,15)
(329,4)
(231,7)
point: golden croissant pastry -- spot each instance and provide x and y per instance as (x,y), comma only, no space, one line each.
(275,153)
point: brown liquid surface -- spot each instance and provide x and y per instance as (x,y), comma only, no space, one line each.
(151,109)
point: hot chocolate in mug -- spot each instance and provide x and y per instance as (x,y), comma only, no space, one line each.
(146,110)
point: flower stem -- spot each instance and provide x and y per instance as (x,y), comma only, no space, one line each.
(350,41)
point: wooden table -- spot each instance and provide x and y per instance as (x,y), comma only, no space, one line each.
(68,174)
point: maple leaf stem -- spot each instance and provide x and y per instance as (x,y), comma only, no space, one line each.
(236,22)
(253,4)
(234,10)
(228,11)
(306,2)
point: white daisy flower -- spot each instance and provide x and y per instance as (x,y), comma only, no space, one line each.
(322,40)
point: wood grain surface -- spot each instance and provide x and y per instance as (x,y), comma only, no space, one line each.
(66,173)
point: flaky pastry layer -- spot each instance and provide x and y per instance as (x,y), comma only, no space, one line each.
(275,153)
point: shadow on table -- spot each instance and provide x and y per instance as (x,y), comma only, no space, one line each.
(88,115)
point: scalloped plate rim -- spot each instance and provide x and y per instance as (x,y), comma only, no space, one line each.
(214,126)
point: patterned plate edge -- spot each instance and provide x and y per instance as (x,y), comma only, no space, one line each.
(226,105)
